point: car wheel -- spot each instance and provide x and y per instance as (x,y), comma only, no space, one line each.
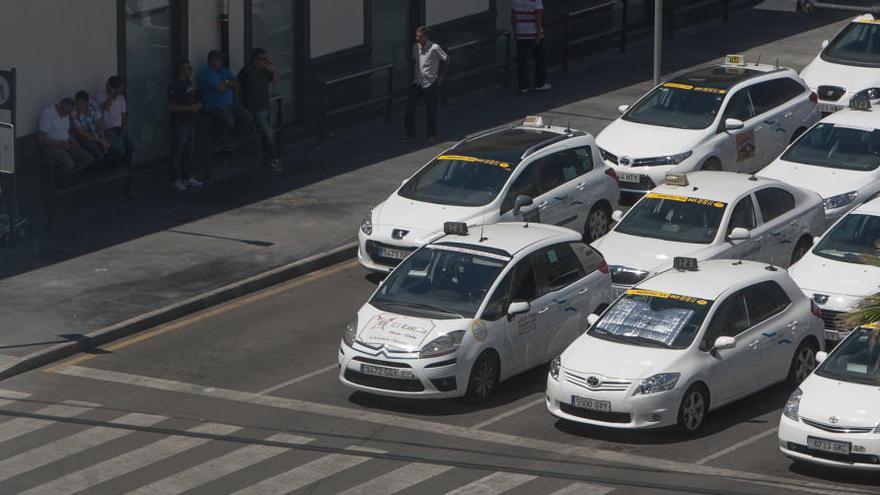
(802,363)
(597,224)
(484,378)
(712,164)
(693,409)
(801,249)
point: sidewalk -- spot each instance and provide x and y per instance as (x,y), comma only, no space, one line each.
(108,263)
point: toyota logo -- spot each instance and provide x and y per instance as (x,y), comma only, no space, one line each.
(624,161)
(399,234)
(820,298)
(593,381)
(833,420)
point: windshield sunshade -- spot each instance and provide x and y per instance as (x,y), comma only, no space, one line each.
(674,218)
(458,180)
(678,105)
(837,146)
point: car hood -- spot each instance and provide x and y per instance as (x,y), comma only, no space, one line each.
(590,355)
(643,253)
(852,404)
(421,218)
(826,181)
(819,274)
(401,332)
(653,140)
(854,79)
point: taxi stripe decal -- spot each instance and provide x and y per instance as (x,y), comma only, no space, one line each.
(686,199)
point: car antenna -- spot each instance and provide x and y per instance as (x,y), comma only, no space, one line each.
(483,226)
(568,128)
(753,178)
(777,62)
(759,59)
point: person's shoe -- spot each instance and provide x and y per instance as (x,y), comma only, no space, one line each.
(545,87)
(407,138)
(179,185)
(192,181)
(275,165)
(524,91)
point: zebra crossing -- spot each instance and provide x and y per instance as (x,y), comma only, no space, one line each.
(141,454)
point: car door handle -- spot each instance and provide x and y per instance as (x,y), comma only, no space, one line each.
(543,205)
(792,324)
(776,234)
(581,186)
(754,345)
(758,128)
(583,291)
(544,310)
(787,114)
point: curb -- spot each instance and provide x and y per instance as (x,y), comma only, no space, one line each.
(178,310)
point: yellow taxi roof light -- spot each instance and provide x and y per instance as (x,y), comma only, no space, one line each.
(674,179)
(533,121)
(735,60)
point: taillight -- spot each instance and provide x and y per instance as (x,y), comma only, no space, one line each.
(611,173)
(602,267)
(814,98)
(815,309)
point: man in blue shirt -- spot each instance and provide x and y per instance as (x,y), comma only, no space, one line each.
(217,86)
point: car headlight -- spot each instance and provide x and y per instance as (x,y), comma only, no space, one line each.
(840,200)
(554,367)
(350,333)
(367,223)
(793,405)
(870,93)
(662,160)
(657,383)
(445,344)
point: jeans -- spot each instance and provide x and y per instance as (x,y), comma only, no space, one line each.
(92,148)
(121,146)
(228,118)
(525,49)
(182,151)
(263,122)
(430,94)
(67,162)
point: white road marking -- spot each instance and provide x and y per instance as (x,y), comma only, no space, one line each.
(217,468)
(304,475)
(368,450)
(12,395)
(399,479)
(17,427)
(130,461)
(583,489)
(509,413)
(493,484)
(298,379)
(393,421)
(55,451)
(738,445)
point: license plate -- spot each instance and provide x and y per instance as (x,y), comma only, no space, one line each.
(591,404)
(829,107)
(831,335)
(397,254)
(841,448)
(634,178)
(369,369)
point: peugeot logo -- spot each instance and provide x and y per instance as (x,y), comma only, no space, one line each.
(624,161)
(820,298)
(833,420)
(593,381)
(399,234)
(829,93)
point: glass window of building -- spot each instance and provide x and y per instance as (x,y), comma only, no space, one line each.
(273,23)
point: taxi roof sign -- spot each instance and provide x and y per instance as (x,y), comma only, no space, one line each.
(735,60)
(533,121)
(674,179)
(455,228)
(682,263)
(860,103)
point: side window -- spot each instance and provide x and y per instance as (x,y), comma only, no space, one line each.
(526,183)
(743,215)
(561,268)
(788,89)
(739,107)
(583,159)
(765,96)
(555,170)
(590,258)
(773,202)
(765,300)
(500,300)
(730,319)
(525,286)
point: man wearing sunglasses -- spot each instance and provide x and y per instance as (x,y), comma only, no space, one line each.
(255,79)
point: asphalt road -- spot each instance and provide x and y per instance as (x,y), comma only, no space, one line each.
(245,397)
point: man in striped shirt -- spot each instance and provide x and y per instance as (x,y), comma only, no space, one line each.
(526,17)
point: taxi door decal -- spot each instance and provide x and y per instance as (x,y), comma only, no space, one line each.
(745,145)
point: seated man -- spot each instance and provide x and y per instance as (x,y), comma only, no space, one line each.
(112,102)
(57,146)
(87,122)
(217,86)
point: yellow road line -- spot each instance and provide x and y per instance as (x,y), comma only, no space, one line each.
(204,315)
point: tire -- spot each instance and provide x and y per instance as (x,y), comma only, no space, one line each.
(802,363)
(598,223)
(693,409)
(712,164)
(800,249)
(483,380)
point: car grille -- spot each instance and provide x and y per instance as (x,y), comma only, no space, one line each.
(385,383)
(609,417)
(851,458)
(830,93)
(622,275)
(373,252)
(604,385)
(837,429)
(834,320)
(390,364)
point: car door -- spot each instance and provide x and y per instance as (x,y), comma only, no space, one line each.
(767,303)
(773,110)
(524,184)
(525,332)
(744,216)
(590,184)
(739,149)
(557,182)
(776,206)
(733,372)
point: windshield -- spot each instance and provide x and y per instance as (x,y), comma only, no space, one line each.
(440,282)
(855,239)
(858,44)
(856,359)
(678,105)
(458,180)
(654,319)
(837,146)
(674,218)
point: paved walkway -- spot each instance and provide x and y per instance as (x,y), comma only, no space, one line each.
(108,262)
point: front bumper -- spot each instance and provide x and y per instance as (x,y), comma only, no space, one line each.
(834,310)
(865,453)
(627,411)
(370,253)
(648,177)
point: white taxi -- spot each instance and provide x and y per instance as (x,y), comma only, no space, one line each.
(708,215)
(839,158)
(685,342)
(841,270)
(833,418)
(465,312)
(847,66)
(478,182)
(732,116)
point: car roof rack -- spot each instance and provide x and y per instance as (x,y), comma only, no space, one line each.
(547,142)
(478,135)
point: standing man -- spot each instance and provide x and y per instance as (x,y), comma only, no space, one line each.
(217,87)
(88,127)
(112,103)
(255,80)
(431,64)
(527,18)
(56,144)
(183,104)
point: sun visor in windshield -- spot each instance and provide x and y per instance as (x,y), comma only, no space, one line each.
(687,199)
(473,159)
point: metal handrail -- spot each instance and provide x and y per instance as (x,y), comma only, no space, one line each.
(724,13)
(485,40)
(570,16)
(387,98)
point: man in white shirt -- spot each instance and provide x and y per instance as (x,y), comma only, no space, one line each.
(431,64)
(112,102)
(57,146)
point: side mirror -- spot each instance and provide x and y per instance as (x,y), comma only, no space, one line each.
(824,44)
(821,356)
(617,215)
(733,124)
(521,202)
(518,307)
(622,109)
(592,318)
(724,342)
(739,234)
(404,181)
